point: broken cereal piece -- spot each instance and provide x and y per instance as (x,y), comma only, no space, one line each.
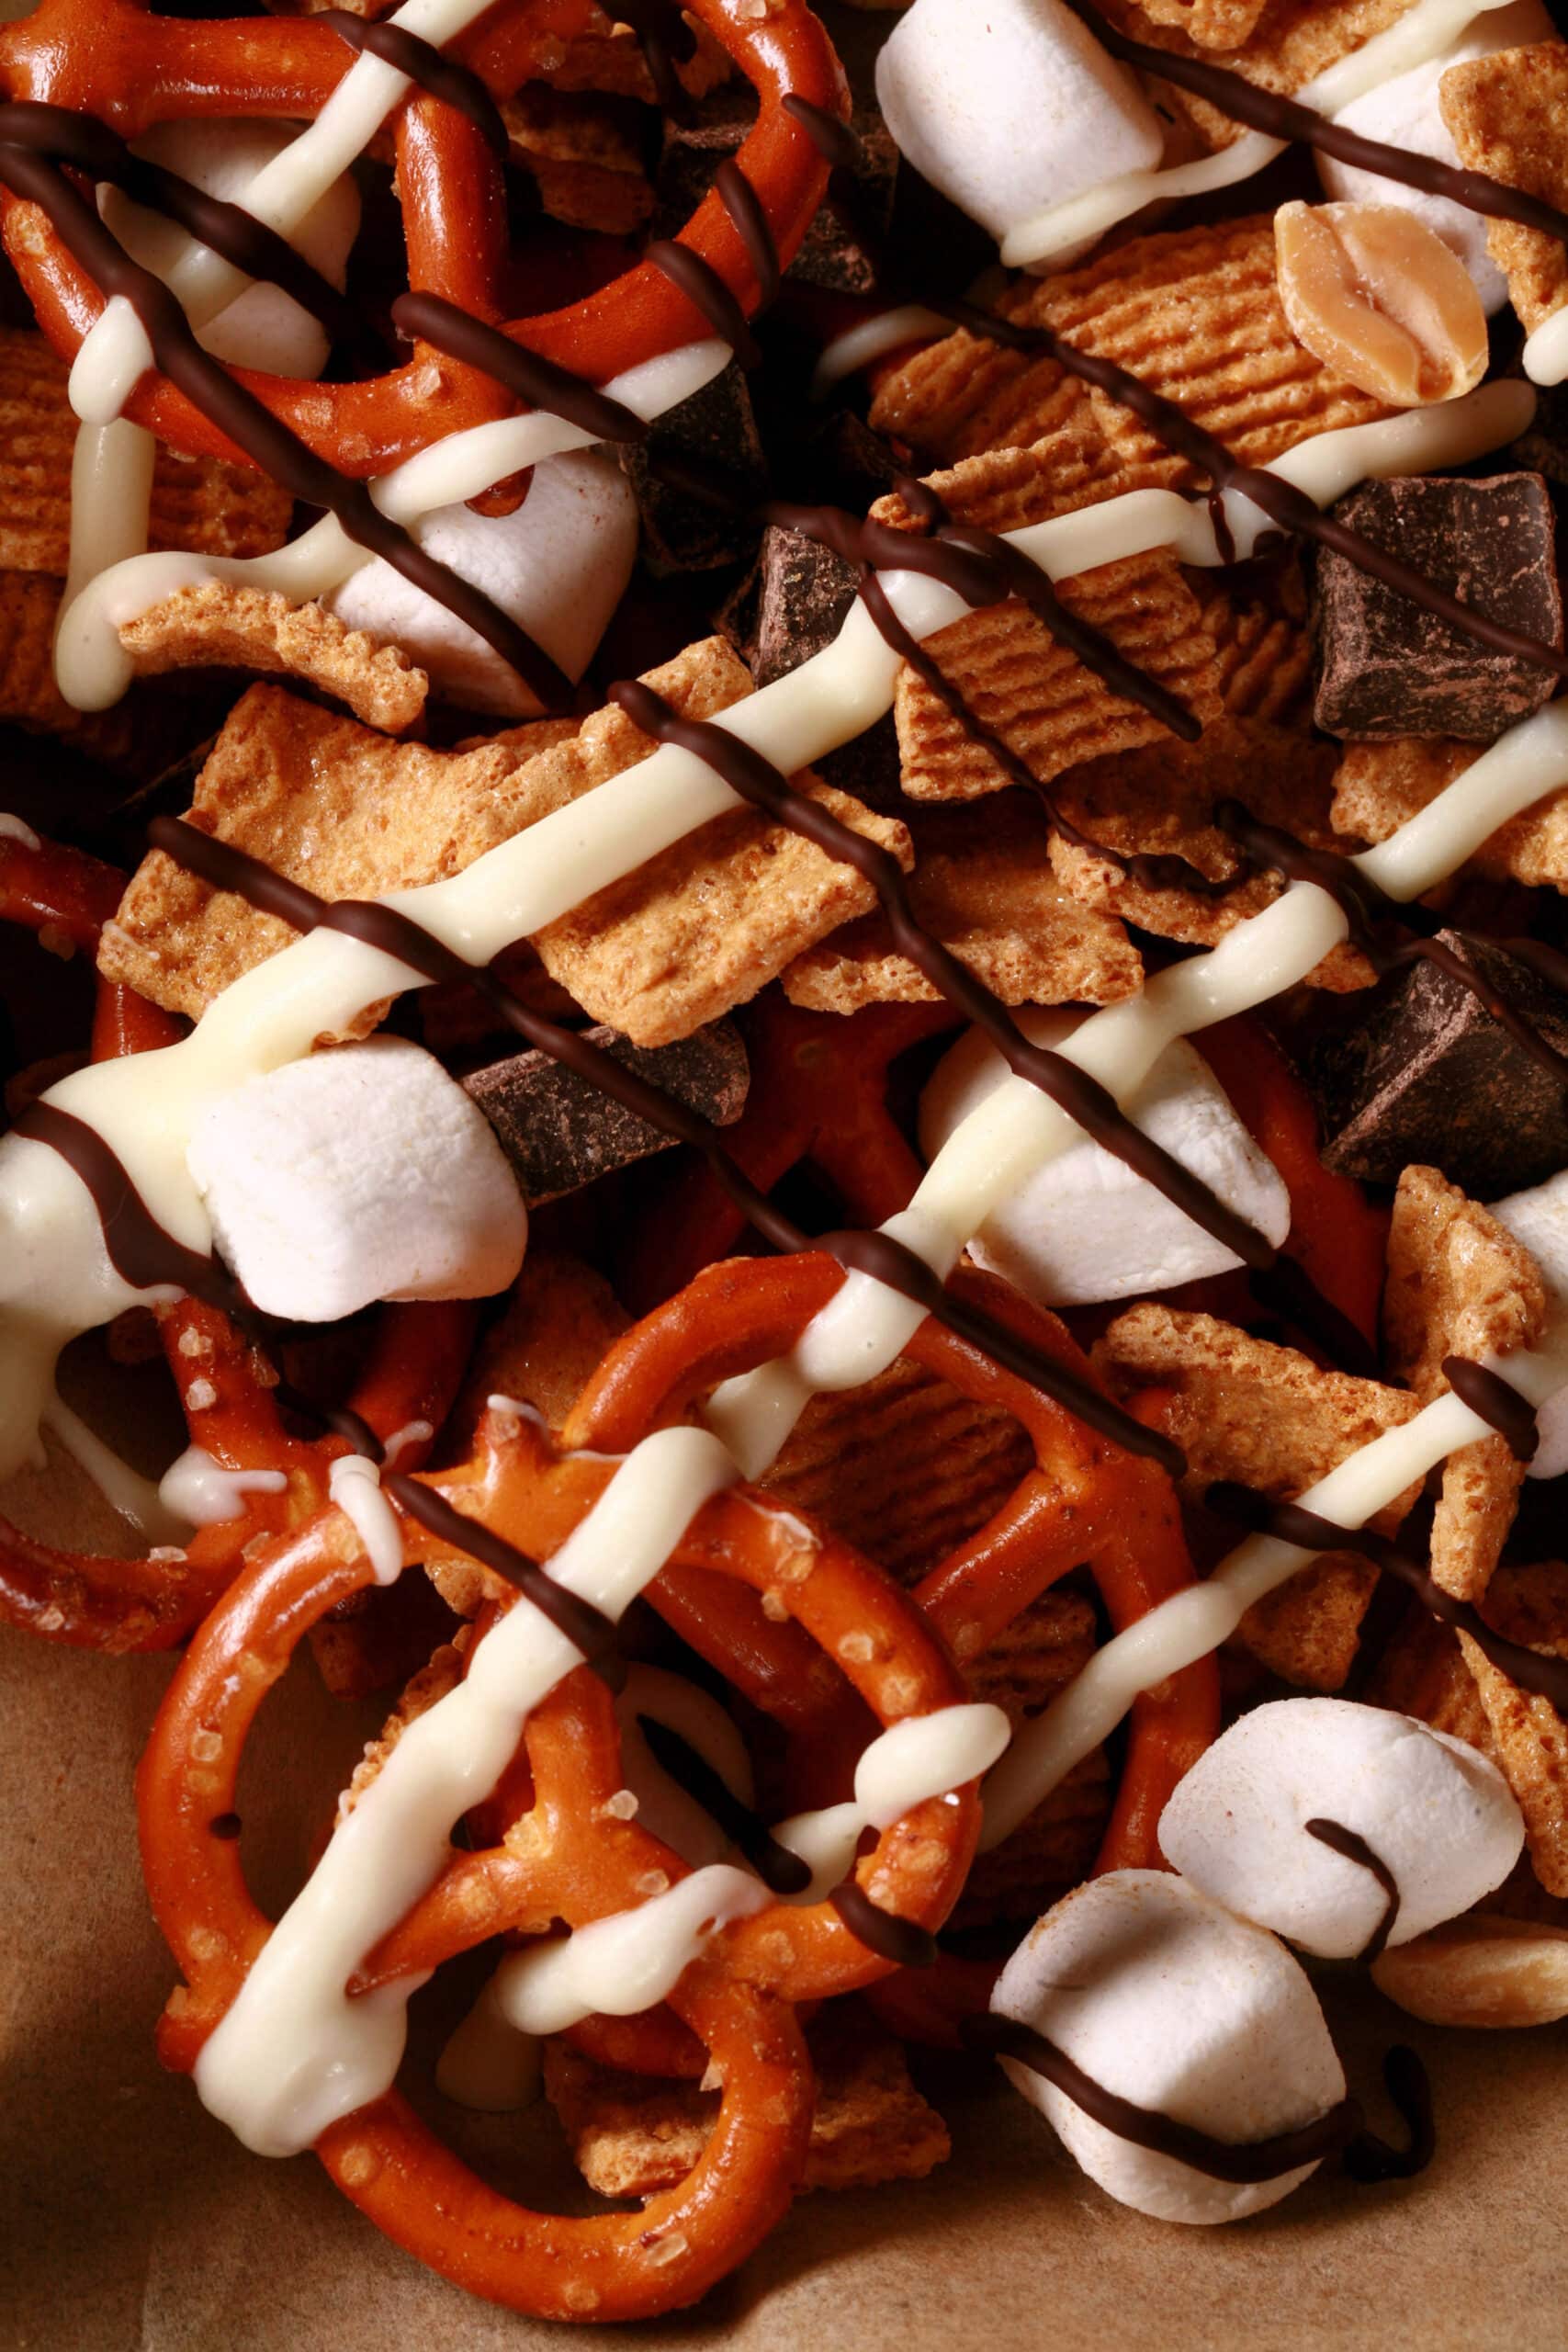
(1380,784)
(1506,113)
(215,625)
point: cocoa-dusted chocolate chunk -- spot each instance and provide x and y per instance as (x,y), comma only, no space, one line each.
(1387,667)
(1430,1077)
(700,467)
(842,247)
(559,1132)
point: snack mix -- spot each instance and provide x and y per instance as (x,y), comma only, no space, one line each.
(810,764)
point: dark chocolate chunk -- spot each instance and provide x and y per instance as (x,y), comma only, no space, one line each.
(842,248)
(709,444)
(1429,1076)
(561,1132)
(802,593)
(1387,668)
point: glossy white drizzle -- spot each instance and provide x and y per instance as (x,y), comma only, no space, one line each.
(354,1482)
(921,1757)
(1424,33)
(486,2064)
(199,1489)
(872,339)
(139,1503)
(629,1961)
(1546,353)
(12,829)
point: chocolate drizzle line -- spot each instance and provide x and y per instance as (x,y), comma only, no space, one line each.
(1094,1108)
(750,219)
(249,423)
(587,1628)
(427,318)
(665,40)
(1287,118)
(1497,1402)
(876,1254)
(903,1941)
(421,62)
(781,1871)
(237,236)
(834,140)
(708,295)
(1355,1848)
(1545,1676)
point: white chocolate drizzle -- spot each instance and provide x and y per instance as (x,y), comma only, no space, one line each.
(354,1482)
(199,1489)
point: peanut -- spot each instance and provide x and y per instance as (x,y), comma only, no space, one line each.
(1374,293)
(1479,1971)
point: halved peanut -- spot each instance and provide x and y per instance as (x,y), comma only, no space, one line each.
(1479,1971)
(1373,292)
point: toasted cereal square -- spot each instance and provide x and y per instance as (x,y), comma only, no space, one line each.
(983,884)
(1531,1741)
(1242,1408)
(1508,115)
(1423,1673)
(1380,786)
(1290,43)
(216,626)
(1262,646)
(632,2135)
(1211,24)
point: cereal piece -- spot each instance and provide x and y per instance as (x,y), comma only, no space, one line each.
(1532,1748)
(1479,1971)
(1211,24)
(583,154)
(1292,43)
(198,504)
(1375,293)
(632,2135)
(1160,801)
(1242,1408)
(1194,313)
(983,884)
(702,926)
(1388,668)
(1423,1673)
(561,1131)
(1428,1075)
(1460,1285)
(1262,647)
(1506,113)
(29,607)
(215,625)
(1380,786)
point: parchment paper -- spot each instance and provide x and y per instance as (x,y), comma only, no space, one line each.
(132,2222)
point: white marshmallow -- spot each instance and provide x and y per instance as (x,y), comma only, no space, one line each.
(1435,1811)
(558,567)
(262,327)
(1539,1219)
(1011,107)
(1407,112)
(1169,2000)
(1084,1228)
(363,1173)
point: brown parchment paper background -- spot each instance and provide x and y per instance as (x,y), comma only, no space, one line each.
(130,2222)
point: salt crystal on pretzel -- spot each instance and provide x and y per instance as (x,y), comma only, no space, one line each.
(1167,2000)
(1506,113)
(1244,1409)
(1086,1226)
(1380,786)
(632,2135)
(984,886)
(215,625)
(1460,1284)
(360,1174)
(1436,1814)
(557,566)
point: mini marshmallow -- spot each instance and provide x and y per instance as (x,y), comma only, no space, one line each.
(262,327)
(1539,1218)
(1407,112)
(1012,107)
(1085,1227)
(558,567)
(1170,2001)
(364,1173)
(1441,1818)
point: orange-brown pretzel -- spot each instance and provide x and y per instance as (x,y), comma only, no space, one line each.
(116,61)
(572,1860)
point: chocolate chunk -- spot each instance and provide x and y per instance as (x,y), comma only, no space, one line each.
(559,1132)
(1387,667)
(842,248)
(700,461)
(1429,1076)
(802,594)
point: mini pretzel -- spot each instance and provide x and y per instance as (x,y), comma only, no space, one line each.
(114,60)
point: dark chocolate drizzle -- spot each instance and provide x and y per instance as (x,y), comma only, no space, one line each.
(749,220)
(427,318)
(1355,1848)
(903,1941)
(1287,118)
(834,140)
(1341,2131)
(423,64)
(1497,1402)
(708,295)
(577,1621)
(248,421)
(666,40)
(886,1261)
(141,1251)
(1545,1676)
(780,1871)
